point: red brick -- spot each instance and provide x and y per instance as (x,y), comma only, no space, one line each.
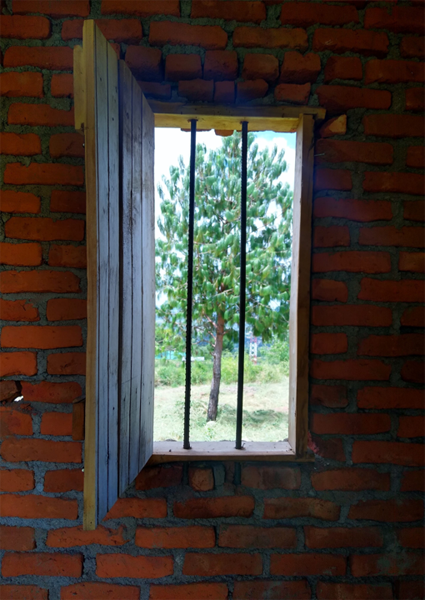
(64,201)
(405,183)
(56,423)
(329,343)
(352,262)
(224,92)
(96,590)
(64,8)
(329,237)
(288,508)
(197,90)
(212,508)
(268,478)
(363,42)
(331,448)
(14,422)
(29,255)
(66,144)
(16,480)
(44,229)
(394,71)
(385,397)
(412,537)
(124,565)
(157,477)
(279,37)
(402,563)
(20,144)
(23,28)
(350,424)
(413,317)
(68,537)
(339,98)
(145,62)
(332,179)
(40,114)
(308,14)
(307,564)
(23,84)
(18,363)
(247,536)
(19,202)
(139,508)
(38,281)
(142,8)
(64,309)
(62,85)
(251,90)
(183,66)
(155,90)
(272,590)
(351,370)
(42,563)
(175,537)
(337,151)
(400,20)
(288,92)
(334,126)
(353,591)
(254,12)
(260,66)
(396,453)
(415,157)
(122,30)
(395,126)
(392,345)
(328,290)
(343,67)
(342,537)
(391,291)
(415,99)
(201,480)
(44,337)
(220,65)
(413,371)
(39,56)
(68,256)
(16,538)
(410,590)
(351,479)
(355,210)
(412,47)
(67,363)
(414,211)
(387,510)
(13,450)
(297,68)
(355,315)
(412,261)
(331,396)
(413,481)
(20,592)
(210,37)
(63,480)
(43,174)
(190,591)
(38,507)
(210,565)
(52,393)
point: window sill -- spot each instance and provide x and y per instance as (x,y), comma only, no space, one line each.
(204,451)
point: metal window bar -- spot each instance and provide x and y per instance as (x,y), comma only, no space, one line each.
(242,286)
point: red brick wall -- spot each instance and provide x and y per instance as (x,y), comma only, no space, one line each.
(347,526)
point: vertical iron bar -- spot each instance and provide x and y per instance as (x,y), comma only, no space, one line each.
(242,286)
(186,442)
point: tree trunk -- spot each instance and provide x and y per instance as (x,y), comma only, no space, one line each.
(215,384)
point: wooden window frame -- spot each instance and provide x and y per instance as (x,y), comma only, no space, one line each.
(279,119)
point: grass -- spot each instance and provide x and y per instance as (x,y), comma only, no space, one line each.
(265,412)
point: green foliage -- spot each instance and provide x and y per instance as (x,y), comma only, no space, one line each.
(217,246)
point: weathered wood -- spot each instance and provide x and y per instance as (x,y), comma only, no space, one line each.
(79,89)
(78,409)
(300,287)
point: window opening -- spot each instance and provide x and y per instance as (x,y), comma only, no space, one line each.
(243,348)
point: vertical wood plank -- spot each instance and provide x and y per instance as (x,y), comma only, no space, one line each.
(300,286)
(148,283)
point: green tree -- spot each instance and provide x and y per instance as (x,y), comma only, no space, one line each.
(217,249)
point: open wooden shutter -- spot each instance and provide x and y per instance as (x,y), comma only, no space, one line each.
(119,145)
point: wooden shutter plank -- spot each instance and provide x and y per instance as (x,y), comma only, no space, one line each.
(148,283)
(300,287)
